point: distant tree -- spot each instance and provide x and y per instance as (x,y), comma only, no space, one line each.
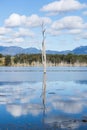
(7,60)
(0,61)
(51,58)
(1,55)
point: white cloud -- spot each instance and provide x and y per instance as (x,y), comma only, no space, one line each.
(75,31)
(18,40)
(69,25)
(69,22)
(84,35)
(63,6)
(4,30)
(53,32)
(85,13)
(24,33)
(34,20)
(15,20)
(73,25)
(7,39)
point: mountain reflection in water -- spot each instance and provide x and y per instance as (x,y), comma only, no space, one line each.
(43,105)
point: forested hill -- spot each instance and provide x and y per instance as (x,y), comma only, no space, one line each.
(13,50)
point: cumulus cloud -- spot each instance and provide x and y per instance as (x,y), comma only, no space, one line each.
(4,30)
(34,20)
(22,32)
(69,22)
(15,20)
(85,13)
(53,32)
(7,39)
(75,31)
(69,25)
(63,6)
(18,40)
(23,28)
(8,35)
(84,35)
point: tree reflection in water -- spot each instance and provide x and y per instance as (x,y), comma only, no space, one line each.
(61,106)
(44,96)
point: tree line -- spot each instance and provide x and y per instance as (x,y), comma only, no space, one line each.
(29,59)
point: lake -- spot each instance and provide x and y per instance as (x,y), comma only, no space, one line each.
(31,100)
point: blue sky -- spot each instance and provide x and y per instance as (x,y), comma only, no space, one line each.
(65,22)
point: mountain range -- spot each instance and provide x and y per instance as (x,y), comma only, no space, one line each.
(13,50)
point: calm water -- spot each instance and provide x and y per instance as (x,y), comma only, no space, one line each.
(30,100)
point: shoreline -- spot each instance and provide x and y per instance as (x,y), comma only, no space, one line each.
(48,65)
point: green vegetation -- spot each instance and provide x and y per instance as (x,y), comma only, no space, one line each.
(28,59)
(36,59)
(7,61)
(1,55)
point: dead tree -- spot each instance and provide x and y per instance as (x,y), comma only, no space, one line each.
(43,47)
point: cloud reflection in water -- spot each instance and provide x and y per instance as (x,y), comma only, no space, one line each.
(67,98)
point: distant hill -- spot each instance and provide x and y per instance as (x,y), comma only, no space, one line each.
(13,50)
(80,50)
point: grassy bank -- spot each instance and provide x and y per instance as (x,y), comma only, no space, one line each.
(35,60)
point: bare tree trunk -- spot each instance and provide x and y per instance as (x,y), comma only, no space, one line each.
(43,49)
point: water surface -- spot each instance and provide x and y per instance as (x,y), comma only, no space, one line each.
(30,100)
